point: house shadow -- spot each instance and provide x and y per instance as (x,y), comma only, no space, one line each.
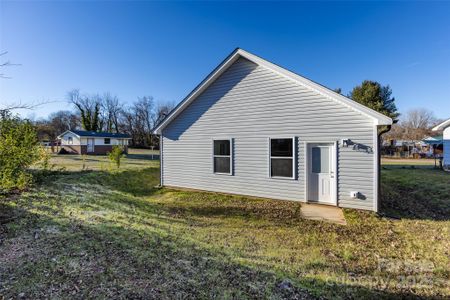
(415,192)
(143,156)
(162,263)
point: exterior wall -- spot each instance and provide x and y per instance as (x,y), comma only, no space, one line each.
(101,141)
(249,104)
(446,137)
(446,133)
(79,145)
(75,139)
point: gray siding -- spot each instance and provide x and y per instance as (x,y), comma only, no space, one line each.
(250,103)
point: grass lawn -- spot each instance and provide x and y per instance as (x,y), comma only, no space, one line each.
(403,162)
(112,234)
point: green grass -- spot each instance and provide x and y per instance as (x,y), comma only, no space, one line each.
(136,159)
(115,235)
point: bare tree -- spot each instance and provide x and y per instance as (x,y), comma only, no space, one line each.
(7,109)
(162,110)
(89,108)
(107,113)
(5,64)
(417,123)
(111,109)
(55,124)
(144,114)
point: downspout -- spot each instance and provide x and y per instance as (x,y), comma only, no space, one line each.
(384,130)
(161,138)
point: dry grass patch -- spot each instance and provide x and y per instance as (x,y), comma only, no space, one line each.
(112,235)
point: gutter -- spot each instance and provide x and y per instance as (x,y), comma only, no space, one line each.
(380,133)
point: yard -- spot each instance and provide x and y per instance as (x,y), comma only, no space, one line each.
(93,232)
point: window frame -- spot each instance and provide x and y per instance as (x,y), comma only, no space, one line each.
(69,140)
(230,156)
(293,157)
(104,141)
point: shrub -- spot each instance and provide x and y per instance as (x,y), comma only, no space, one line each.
(19,149)
(116,155)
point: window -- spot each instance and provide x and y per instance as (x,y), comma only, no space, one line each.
(282,158)
(320,159)
(222,156)
(107,141)
(70,140)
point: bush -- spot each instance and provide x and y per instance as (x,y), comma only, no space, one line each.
(116,155)
(19,149)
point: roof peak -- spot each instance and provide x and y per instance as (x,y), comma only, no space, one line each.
(378,118)
(442,125)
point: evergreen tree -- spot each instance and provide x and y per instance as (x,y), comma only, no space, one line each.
(375,96)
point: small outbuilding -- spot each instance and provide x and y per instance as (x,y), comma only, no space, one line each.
(92,142)
(254,128)
(445,128)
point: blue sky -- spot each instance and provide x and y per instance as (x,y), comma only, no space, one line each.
(165,49)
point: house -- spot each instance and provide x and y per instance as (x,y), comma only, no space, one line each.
(92,142)
(253,128)
(435,145)
(445,128)
(407,148)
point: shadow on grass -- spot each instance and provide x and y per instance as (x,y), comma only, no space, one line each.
(415,193)
(71,258)
(136,251)
(137,182)
(143,156)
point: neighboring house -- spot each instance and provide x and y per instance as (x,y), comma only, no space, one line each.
(91,142)
(435,144)
(445,127)
(407,148)
(254,128)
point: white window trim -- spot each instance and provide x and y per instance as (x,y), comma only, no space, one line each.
(69,140)
(104,141)
(230,156)
(294,155)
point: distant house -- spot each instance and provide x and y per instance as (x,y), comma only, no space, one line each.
(91,142)
(254,128)
(410,148)
(445,127)
(435,144)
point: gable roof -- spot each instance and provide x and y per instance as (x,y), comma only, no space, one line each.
(442,126)
(378,118)
(84,133)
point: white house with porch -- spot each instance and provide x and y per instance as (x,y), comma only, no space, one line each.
(445,127)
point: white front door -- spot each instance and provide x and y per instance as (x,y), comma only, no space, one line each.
(321,174)
(90,145)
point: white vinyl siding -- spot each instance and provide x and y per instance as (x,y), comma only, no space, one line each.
(446,142)
(101,141)
(252,103)
(70,139)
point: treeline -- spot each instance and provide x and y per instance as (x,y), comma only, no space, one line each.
(96,112)
(415,125)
